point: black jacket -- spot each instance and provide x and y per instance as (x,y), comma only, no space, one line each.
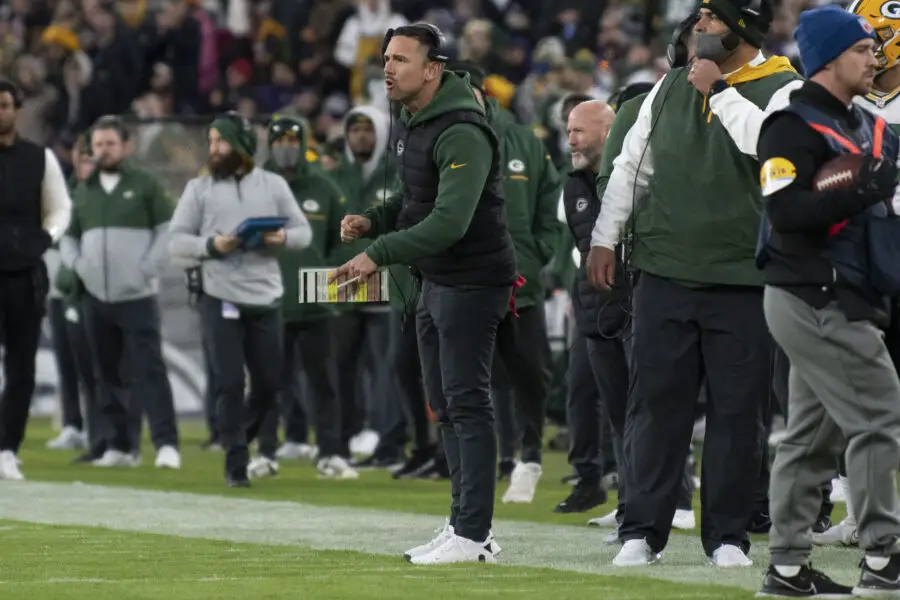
(800,254)
(597,313)
(23,239)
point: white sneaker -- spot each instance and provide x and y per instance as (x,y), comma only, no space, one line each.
(456,550)
(335,467)
(842,534)
(727,556)
(116,458)
(168,457)
(262,466)
(838,493)
(9,467)
(295,451)
(68,439)
(364,443)
(684,519)
(523,483)
(612,538)
(635,553)
(443,534)
(607,520)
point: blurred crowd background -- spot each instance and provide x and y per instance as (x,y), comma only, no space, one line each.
(170,64)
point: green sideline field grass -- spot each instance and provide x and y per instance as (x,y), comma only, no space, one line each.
(80,532)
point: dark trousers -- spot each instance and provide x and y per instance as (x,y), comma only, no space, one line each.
(70,380)
(23,298)
(407,371)
(524,352)
(680,335)
(126,347)
(209,398)
(599,381)
(362,340)
(253,339)
(457,328)
(307,346)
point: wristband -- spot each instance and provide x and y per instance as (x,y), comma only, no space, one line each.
(719,85)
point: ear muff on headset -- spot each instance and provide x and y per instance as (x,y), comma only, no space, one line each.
(436,48)
(677,52)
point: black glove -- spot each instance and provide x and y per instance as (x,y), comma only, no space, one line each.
(877,178)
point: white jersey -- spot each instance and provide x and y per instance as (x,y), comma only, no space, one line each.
(885,105)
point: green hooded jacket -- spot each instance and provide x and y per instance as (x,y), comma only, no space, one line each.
(322,202)
(531,185)
(463,155)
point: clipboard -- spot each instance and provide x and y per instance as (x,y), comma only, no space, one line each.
(314,287)
(251,231)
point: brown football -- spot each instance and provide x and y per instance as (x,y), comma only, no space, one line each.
(838,173)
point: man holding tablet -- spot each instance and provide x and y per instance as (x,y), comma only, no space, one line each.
(231,220)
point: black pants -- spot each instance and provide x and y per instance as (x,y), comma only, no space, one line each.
(524,352)
(680,335)
(457,328)
(209,398)
(126,346)
(407,370)
(362,340)
(64,352)
(255,340)
(310,343)
(23,298)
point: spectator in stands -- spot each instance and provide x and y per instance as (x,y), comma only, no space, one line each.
(38,109)
(116,245)
(240,306)
(361,38)
(308,341)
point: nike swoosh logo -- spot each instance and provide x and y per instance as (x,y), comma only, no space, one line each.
(810,590)
(457,166)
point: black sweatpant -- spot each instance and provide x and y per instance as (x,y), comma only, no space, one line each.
(457,328)
(680,335)
(209,398)
(524,352)
(253,339)
(126,347)
(64,352)
(23,301)
(307,347)
(407,370)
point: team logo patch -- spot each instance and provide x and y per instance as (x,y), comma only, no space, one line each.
(516,165)
(867,27)
(400,148)
(383,194)
(581,204)
(310,205)
(890,9)
(776,174)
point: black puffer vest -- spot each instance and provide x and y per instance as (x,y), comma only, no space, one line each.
(597,313)
(485,256)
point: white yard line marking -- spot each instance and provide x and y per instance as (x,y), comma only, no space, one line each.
(364,530)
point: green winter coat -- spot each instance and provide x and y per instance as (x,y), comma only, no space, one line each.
(531,185)
(322,202)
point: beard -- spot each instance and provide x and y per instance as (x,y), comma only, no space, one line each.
(582,161)
(224,166)
(107,165)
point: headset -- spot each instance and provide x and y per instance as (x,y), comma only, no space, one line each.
(437,42)
(8,87)
(677,51)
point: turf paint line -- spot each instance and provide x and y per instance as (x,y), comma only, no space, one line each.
(365,530)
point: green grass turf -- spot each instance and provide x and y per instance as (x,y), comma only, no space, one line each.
(39,562)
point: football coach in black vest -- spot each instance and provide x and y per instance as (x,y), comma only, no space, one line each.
(34,213)
(449,224)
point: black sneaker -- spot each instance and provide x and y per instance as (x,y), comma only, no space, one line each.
(421,459)
(572,479)
(822,524)
(583,498)
(438,470)
(882,581)
(505,468)
(376,461)
(808,583)
(237,482)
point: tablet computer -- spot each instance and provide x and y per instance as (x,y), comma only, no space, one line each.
(251,230)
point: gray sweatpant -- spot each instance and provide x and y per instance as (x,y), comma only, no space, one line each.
(843,392)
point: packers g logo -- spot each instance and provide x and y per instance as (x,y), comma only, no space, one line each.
(890,9)
(776,174)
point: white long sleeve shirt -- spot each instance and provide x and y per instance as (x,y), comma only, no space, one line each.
(56,205)
(633,168)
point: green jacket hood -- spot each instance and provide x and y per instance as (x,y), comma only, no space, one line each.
(499,118)
(455,93)
(302,168)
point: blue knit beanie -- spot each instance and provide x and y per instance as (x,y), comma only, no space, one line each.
(827,32)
